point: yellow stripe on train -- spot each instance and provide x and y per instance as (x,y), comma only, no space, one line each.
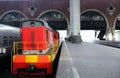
(31,58)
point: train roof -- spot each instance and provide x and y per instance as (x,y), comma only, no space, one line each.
(33,23)
(4,27)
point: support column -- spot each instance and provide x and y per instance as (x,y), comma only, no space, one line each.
(75,21)
(110,34)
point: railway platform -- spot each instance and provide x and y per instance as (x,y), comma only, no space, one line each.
(109,43)
(88,60)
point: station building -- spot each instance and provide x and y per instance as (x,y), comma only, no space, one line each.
(95,14)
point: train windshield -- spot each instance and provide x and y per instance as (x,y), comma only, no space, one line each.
(33,23)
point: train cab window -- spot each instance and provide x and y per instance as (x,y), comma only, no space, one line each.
(4,42)
(10,40)
(5,37)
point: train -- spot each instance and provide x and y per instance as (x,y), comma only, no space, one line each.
(36,51)
(8,34)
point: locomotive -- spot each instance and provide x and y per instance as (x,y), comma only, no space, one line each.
(37,49)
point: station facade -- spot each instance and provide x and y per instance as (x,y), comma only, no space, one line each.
(95,14)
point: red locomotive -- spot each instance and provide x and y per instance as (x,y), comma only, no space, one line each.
(37,50)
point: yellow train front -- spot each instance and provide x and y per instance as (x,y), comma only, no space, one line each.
(37,50)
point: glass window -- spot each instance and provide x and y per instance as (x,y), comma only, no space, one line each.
(5,41)
(13,18)
(93,20)
(55,20)
(10,40)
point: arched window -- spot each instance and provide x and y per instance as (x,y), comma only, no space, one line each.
(117,26)
(56,20)
(13,19)
(92,20)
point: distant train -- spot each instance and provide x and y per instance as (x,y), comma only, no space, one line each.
(8,34)
(37,50)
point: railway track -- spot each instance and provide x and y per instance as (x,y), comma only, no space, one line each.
(32,75)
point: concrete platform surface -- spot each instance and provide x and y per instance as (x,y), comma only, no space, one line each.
(88,60)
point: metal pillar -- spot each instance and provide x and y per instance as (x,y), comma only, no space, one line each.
(75,21)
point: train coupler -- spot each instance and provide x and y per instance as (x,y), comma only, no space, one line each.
(30,67)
